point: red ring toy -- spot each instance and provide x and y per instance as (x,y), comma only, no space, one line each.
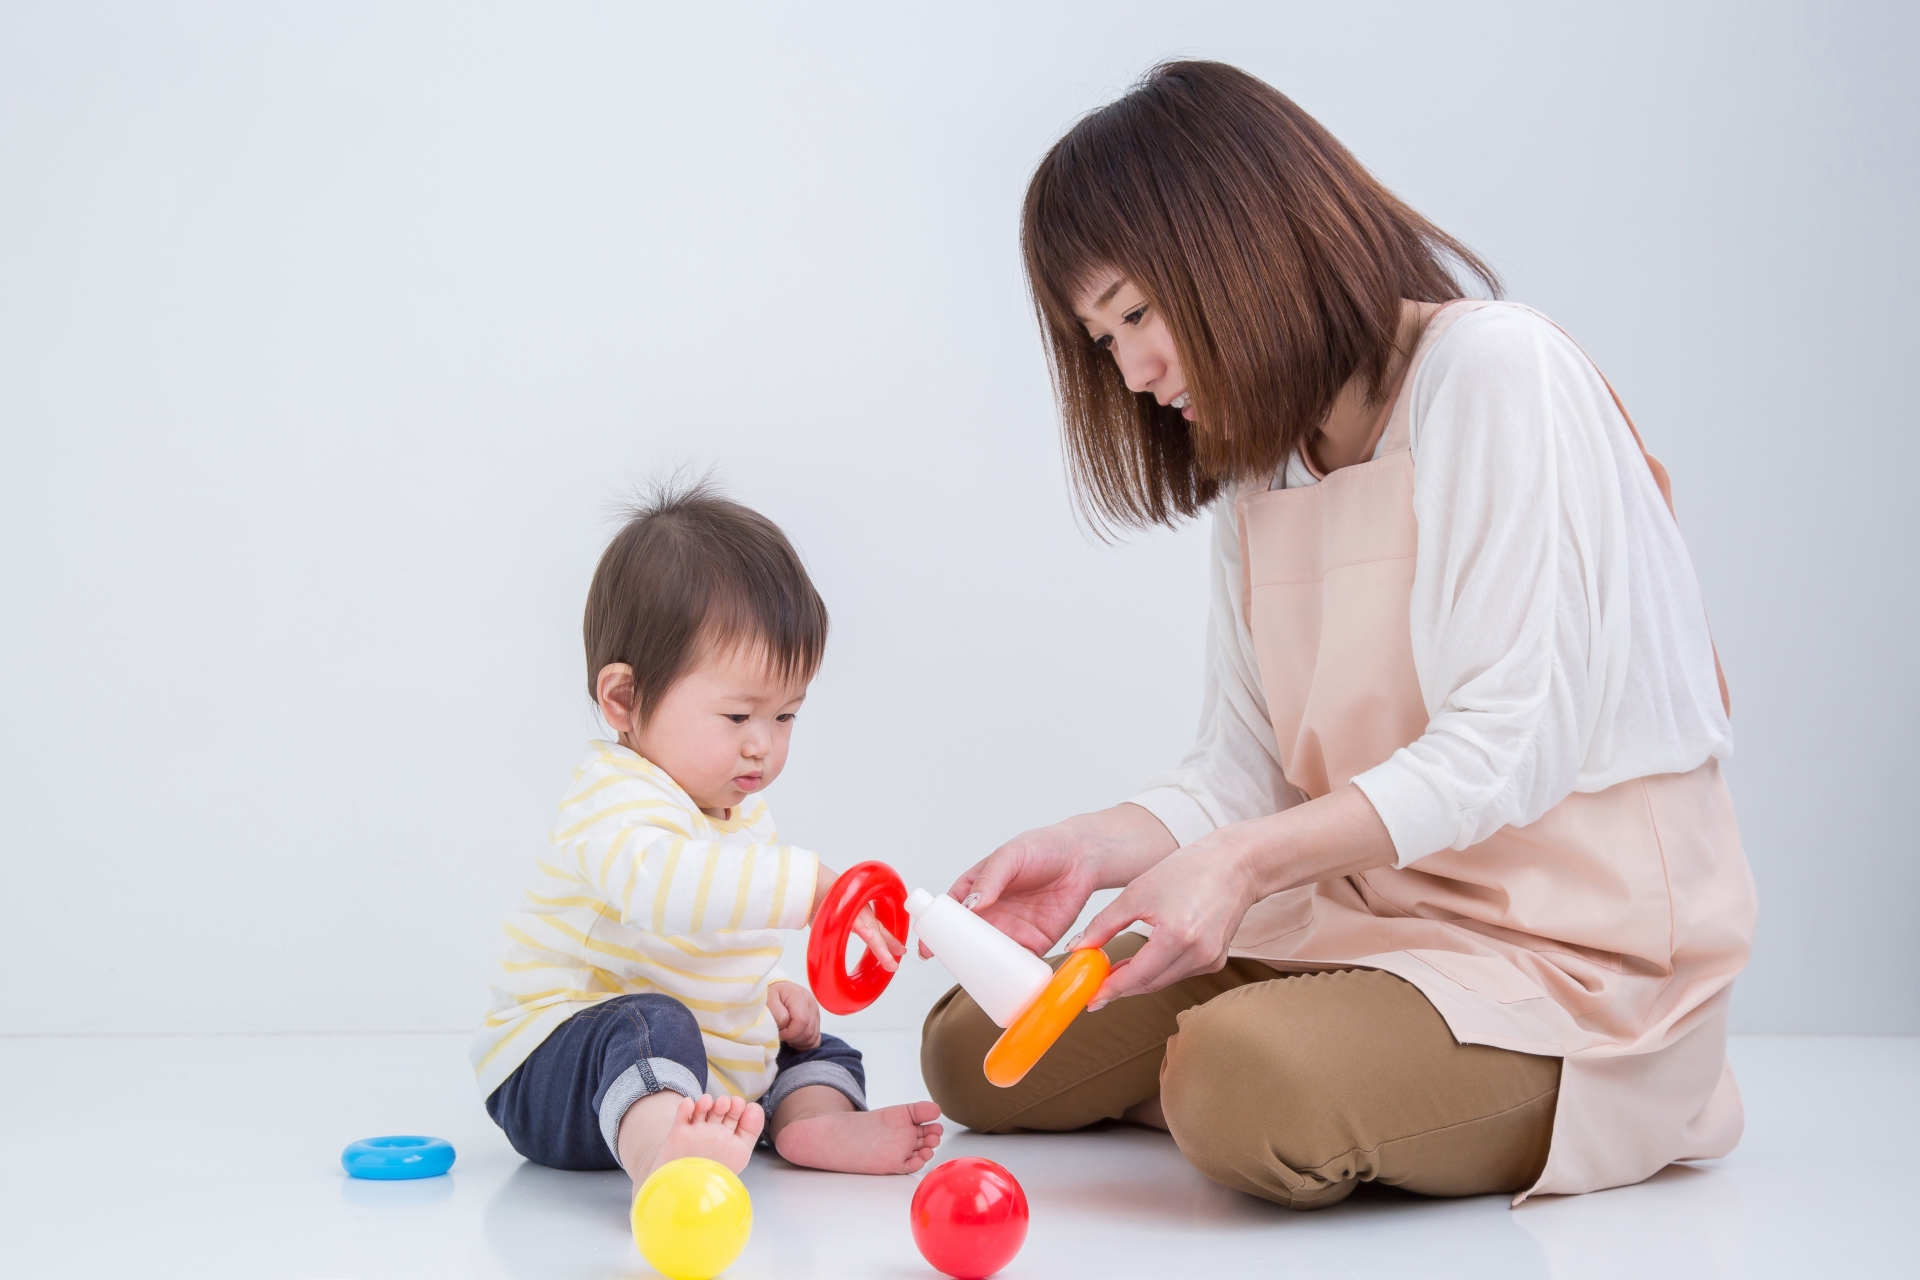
(837,990)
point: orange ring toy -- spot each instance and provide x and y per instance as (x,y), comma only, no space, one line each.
(1040,1023)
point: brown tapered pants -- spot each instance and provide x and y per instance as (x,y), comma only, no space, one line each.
(1295,1087)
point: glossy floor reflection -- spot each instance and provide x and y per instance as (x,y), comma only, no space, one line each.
(218,1156)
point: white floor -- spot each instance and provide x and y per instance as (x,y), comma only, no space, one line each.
(218,1156)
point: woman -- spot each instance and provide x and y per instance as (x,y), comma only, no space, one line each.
(1448,894)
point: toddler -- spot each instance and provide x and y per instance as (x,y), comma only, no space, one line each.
(639,1014)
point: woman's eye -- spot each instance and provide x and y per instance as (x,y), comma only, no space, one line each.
(1103,343)
(784,717)
(1133,316)
(736,719)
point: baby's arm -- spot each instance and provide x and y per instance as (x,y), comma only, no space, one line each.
(671,885)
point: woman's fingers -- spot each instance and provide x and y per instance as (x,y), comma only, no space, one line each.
(980,888)
(1110,920)
(1022,931)
(1106,991)
(1158,964)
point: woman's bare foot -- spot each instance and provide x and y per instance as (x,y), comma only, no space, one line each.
(891,1140)
(721,1129)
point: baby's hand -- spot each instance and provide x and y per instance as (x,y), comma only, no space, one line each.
(886,948)
(795,1014)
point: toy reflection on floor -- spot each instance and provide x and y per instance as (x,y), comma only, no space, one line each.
(969,1218)
(1017,989)
(397,1158)
(692,1218)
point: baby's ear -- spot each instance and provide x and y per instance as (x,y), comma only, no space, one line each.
(613,690)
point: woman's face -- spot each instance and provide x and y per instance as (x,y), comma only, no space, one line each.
(1126,326)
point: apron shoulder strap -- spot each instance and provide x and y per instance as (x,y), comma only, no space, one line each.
(1395,432)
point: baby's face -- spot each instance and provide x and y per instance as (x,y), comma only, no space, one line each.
(722,731)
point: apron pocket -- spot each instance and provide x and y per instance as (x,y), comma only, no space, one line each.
(1489,976)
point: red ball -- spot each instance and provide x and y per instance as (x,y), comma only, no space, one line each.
(969,1217)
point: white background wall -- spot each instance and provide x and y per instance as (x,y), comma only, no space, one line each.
(330,334)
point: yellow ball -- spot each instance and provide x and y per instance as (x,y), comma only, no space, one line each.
(692,1218)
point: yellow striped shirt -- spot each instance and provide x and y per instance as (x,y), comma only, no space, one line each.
(637,891)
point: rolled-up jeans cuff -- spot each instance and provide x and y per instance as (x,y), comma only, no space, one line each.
(800,1075)
(645,1077)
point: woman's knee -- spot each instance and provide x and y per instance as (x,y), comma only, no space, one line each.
(1252,1101)
(1298,1089)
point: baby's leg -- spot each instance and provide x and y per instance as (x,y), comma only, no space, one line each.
(665,1126)
(819,1127)
(650,1064)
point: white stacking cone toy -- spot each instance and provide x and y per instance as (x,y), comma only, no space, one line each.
(1002,976)
(1027,998)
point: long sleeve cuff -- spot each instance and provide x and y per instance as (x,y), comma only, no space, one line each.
(1418,817)
(1179,812)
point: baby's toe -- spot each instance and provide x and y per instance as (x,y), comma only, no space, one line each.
(922,1112)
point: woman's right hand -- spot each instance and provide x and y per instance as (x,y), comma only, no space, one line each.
(1033,887)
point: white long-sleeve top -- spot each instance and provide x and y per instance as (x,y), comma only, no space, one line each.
(1558,631)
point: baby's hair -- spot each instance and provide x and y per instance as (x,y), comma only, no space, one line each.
(692,573)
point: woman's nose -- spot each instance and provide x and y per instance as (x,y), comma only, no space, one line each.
(1138,369)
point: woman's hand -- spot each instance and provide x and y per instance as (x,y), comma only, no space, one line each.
(796,1014)
(1032,887)
(1196,897)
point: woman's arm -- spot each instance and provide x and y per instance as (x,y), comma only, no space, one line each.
(1557,626)
(1196,896)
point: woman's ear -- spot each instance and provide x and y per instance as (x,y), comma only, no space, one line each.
(613,690)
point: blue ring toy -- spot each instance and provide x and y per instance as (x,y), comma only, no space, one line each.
(390,1159)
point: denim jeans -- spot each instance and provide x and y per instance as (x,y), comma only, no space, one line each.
(562,1106)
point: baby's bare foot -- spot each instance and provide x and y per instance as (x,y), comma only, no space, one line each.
(721,1129)
(891,1140)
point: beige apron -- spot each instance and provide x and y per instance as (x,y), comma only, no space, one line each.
(1607,933)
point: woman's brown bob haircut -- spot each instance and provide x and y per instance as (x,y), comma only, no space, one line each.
(1276,261)
(692,573)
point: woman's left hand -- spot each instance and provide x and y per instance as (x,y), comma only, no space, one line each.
(1194,899)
